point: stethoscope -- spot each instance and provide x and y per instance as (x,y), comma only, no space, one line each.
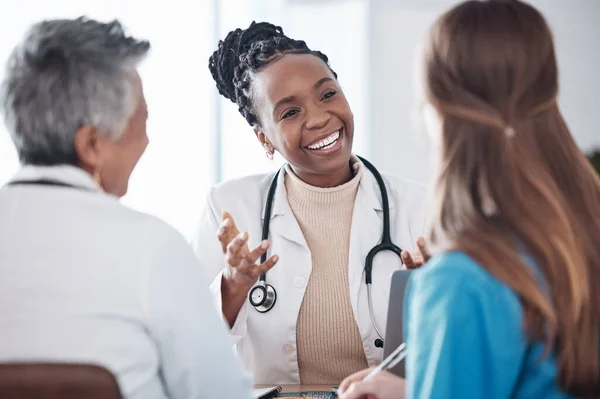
(263,296)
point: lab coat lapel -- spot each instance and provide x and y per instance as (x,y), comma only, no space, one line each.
(366,232)
(283,222)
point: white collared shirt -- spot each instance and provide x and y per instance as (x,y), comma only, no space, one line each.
(86,279)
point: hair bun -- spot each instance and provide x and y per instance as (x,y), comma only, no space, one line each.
(226,58)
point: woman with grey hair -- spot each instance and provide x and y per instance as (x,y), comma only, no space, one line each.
(83,278)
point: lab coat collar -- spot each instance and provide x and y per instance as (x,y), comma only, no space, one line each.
(280,202)
(369,189)
(368,193)
(281,211)
(62,173)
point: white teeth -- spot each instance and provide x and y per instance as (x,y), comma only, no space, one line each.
(326,143)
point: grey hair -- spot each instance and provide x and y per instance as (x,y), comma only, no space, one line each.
(64,75)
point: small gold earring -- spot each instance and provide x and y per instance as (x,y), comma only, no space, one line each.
(97,178)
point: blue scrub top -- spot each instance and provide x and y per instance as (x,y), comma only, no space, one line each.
(465,337)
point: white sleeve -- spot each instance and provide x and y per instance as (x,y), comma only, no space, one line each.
(197,359)
(239,329)
(208,250)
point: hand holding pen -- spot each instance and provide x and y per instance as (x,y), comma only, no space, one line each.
(376,383)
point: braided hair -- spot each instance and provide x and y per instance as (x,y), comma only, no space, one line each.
(245,51)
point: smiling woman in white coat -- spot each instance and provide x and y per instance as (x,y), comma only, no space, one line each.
(302,314)
(84,279)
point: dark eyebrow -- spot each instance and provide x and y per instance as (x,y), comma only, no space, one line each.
(284,100)
(322,81)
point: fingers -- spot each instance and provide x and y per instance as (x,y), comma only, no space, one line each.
(233,229)
(234,253)
(408,261)
(228,231)
(418,258)
(358,376)
(235,247)
(246,263)
(422,246)
(253,256)
(359,390)
(226,215)
(224,234)
(383,386)
(269,263)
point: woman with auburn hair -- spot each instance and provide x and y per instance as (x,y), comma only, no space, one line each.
(506,307)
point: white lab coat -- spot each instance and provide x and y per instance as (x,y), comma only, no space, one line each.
(86,279)
(266,342)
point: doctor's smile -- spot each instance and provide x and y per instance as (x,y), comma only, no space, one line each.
(327,145)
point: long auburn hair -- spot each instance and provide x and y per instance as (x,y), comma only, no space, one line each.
(490,72)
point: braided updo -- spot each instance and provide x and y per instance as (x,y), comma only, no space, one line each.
(246,51)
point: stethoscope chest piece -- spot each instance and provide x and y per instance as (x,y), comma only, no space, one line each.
(263,297)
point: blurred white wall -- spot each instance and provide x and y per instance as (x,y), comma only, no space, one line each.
(384,39)
(395,30)
(173,176)
(197,138)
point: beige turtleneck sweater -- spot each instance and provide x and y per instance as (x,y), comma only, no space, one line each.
(329,345)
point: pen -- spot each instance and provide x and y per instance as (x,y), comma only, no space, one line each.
(393,359)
